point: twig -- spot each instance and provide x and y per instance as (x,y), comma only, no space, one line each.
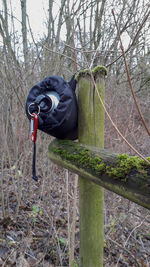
(89,51)
(126,250)
(128,76)
(2,186)
(129,238)
(134,39)
(72,240)
(52,51)
(68,206)
(148,221)
(94,56)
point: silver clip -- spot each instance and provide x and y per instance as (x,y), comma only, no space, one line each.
(29,109)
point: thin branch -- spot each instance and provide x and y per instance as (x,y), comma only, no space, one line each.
(58,53)
(129,238)
(129,79)
(91,51)
(123,248)
(72,240)
(134,39)
(114,125)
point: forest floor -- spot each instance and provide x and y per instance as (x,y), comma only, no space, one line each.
(36,232)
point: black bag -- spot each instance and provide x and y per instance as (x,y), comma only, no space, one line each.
(51,107)
(57,119)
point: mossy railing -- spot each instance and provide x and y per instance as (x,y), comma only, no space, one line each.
(127,176)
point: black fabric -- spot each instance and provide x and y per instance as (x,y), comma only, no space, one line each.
(62,121)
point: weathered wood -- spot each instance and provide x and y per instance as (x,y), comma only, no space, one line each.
(91,196)
(124,175)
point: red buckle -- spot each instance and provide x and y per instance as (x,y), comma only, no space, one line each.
(34,125)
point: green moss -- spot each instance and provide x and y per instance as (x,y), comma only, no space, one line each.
(99,69)
(86,72)
(83,159)
(120,170)
(126,164)
(81,73)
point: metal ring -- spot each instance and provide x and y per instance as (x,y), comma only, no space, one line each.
(32,105)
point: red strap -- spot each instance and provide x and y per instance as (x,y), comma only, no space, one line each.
(34,125)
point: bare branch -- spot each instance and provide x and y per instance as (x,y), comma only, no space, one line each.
(133,41)
(129,79)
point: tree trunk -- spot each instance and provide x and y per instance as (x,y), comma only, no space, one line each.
(24,33)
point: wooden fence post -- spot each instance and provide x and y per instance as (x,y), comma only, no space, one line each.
(125,175)
(91,132)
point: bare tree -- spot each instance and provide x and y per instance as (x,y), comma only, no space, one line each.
(24,33)
(51,31)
